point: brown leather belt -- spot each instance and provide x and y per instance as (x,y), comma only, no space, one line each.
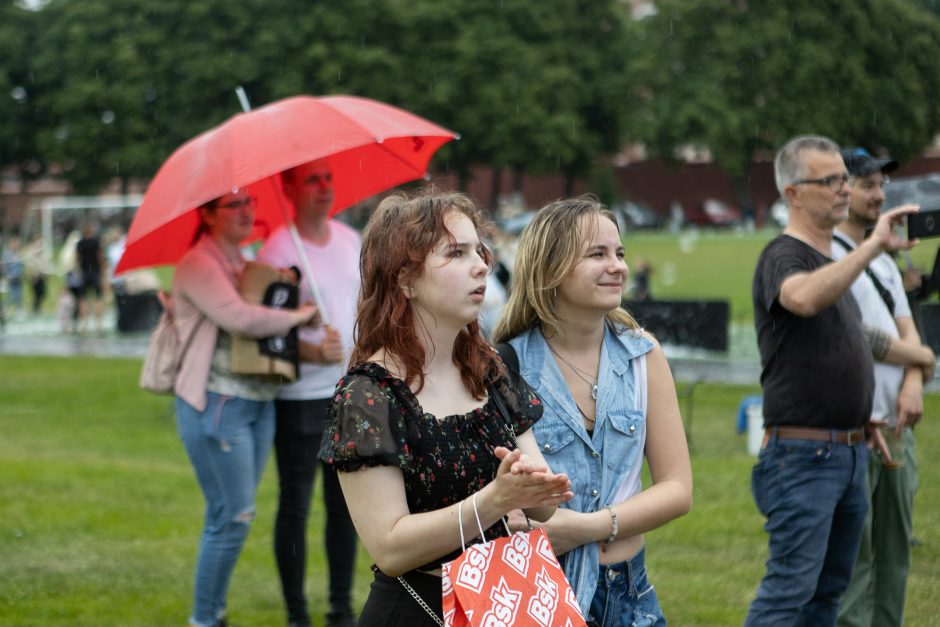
(850,437)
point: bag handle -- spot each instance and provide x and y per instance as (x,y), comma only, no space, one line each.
(167,301)
(476,513)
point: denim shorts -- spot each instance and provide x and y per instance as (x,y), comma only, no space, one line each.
(624,596)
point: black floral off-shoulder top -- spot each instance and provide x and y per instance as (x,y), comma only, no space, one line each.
(376,420)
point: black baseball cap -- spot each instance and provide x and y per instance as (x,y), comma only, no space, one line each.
(860,162)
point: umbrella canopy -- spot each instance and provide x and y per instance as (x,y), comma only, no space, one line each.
(369,146)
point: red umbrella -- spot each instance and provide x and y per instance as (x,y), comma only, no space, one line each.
(370,147)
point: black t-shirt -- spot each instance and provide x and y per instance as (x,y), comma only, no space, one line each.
(818,371)
(88,251)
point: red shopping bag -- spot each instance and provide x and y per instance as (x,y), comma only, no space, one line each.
(509,581)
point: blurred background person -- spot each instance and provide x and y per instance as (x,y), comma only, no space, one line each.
(37,269)
(640,280)
(493,303)
(113,243)
(14,271)
(91,263)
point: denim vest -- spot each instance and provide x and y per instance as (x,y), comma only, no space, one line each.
(596,465)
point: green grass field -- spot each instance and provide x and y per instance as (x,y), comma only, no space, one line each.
(710,264)
(100,512)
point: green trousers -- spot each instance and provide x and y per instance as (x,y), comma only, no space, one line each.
(875,596)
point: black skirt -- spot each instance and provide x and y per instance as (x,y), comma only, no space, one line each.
(391,605)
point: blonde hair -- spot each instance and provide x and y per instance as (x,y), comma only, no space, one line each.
(549,249)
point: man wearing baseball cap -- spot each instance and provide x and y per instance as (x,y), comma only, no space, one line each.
(875,596)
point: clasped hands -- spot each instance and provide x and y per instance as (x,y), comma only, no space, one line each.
(525,483)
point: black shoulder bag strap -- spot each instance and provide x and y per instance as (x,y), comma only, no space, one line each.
(501,405)
(884,293)
(503,410)
(509,357)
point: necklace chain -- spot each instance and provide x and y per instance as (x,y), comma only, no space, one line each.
(578,373)
(585,416)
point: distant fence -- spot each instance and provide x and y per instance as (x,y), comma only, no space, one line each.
(691,323)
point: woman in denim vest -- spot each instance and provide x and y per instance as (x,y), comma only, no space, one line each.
(609,400)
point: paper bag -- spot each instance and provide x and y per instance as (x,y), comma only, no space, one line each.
(509,581)
(277,355)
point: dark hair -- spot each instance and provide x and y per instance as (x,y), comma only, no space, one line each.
(202,228)
(400,234)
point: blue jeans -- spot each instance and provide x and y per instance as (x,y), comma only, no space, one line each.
(815,500)
(624,596)
(228,445)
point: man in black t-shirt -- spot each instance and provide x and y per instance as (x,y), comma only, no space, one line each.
(91,262)
(817,378)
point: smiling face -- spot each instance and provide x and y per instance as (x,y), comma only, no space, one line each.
(597,280)
(231,218)
(452,284)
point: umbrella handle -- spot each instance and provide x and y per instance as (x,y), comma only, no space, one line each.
(305,266)
(243,98)
(291,228)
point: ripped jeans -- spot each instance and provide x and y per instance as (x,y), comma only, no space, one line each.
(228,445)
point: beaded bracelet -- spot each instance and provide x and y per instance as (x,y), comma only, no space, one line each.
(614,526)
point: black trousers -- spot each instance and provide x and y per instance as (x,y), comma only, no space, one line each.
(300,426)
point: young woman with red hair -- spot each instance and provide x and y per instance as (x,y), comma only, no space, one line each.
(415,429)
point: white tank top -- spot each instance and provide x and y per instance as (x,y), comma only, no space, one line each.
(631,483)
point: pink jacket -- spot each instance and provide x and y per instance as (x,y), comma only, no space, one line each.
(205,294)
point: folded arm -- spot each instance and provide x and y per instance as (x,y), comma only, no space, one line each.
(208,288)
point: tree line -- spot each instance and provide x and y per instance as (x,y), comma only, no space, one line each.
(100,89)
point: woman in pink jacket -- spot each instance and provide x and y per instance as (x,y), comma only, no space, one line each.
(225,420)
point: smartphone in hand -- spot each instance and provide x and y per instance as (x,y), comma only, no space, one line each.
(923,224)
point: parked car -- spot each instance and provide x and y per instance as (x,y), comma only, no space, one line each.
(712,212)
(637,215)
